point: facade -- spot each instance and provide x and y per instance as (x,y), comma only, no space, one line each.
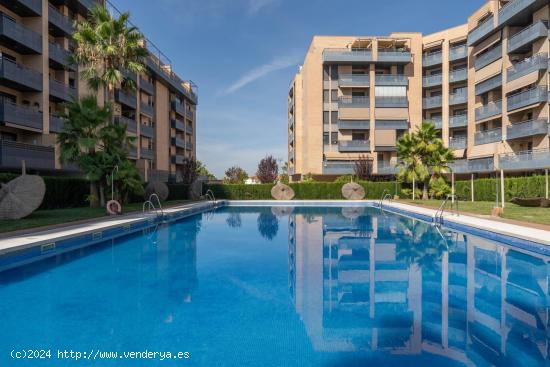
(483,84)
(36,78)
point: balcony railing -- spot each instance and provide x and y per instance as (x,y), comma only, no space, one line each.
(391,102)
(56,124)
(458,75)
(178,142)
(187,88)
(23,39)
(353,80)
(188,129)
(353,124)
(13,153)
(458,97)
(391,125)
(459,142)
(147,109)
(532,96)
(527,36)
(472,165)
(147,130)
(25,8)
(489,84)
(60,56)
(432,102)
(527,128)
(22,116)
(347,55)
(437,121)
(20,76)
(188,145)
(354,102)
(177,159)
(59,22)
(126,99)
(488,57)
(392,79)
(146,86)
(481,31)
(338,168)
(488,136)
(354,145)
(178,107)
(62,91)
(147,153)
(131,125)
(458,121)
(431,59)
(432,80)
(527,66)
(189,114)
(489,110)
(525,160)
(513,9)
(458,52)
(394,56)
(387,168)
(178,125)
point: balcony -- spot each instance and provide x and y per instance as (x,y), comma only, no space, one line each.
(19,76)
(489,110)
(354,80)
(386,168)
(458,121)
(61,25)
(353,145)
(458,142)
(145,153)
(177,159)
(458,52)
(147,109)
(146,86)
(481,31)
(391,102)
(127,99)
(527,128)
(354,102)
(391,125)
(431,59)
(19,37)
(488,136)
(527,66)
(353,124)
(488,57)
(525,160)
(189,114)
(147,130)
(131,125)
(178,142)
(178,125)
(62,91)
(458,97)
(432,80)
(436,121)
(458,75)
(432,102)
(526,98)
(188,145)
(516,9)
(56,124)
(189,129)
(489,84)
(38,157)
(394,56)
(338,55)
(385,147)
(522,40)
(338,168)
(164,72)
(291,121)
(20,116)
(178,107)
(59,57)
(392,79)
(24,8)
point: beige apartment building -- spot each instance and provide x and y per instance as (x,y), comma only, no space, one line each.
(36,79)
(483,84)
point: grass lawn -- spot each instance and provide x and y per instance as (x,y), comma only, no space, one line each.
(511,211)
(42,218)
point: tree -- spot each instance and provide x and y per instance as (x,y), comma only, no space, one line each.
(189,171)
(105,45)
(235,175)
(204,172)
(363,167)
(423,156)
(267,170)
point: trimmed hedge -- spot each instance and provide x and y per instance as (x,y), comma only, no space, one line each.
(178,191)
(485,188)
(303,191)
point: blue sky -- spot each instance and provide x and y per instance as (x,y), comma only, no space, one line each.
(243,53)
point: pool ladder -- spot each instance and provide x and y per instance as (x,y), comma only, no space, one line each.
(438,217)
(209,195)
(149,205)
(385,195)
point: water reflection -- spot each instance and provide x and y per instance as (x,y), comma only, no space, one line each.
(268,225)
(234,220)
(390,284)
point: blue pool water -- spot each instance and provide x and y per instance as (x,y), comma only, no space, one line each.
(262,286)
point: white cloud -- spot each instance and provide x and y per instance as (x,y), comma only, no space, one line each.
(260,72)
(254,6)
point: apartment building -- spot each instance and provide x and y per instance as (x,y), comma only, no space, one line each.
(36,79)
(484,85)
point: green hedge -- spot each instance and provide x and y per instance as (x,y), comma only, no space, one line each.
(303,191)
(485,188)
(178,191)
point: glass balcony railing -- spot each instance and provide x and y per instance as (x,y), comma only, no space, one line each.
(392,79)
(458,52)
(22,116)
(527,66)
(458,97)
(431,59)
(354,80)
(394,56)
(62,91)
(347,55)
(458,142)
(354,102)
(61,24)
(532,96)
(147,109)
(338,167)
(527,36)
(458,75)
(25,8)
(481,31)
(527,128)
(525,160)
(60,56)
(391,124)
(178,125)
(178,107)
(353,124)
(177,159)
(24,78)
(12,155)
(178,142)
(56,124)
(473,165)
(437,121)
(20,36)
(126,99)
(488,85)
(147,130)
(458,121)
(488,136)
(354,145)
(488,57)
(145,153)
(432,102)
(432,80)
(512,9)
(489,110)
(391,102)
(146,86)
(131,125)
(387,168)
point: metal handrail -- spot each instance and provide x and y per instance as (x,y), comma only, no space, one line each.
(441,210)
(151,206)
(385,193)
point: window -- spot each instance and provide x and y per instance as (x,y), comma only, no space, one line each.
(325,139)
(359,136)
(326,72)
(358,93)
(325,117)
(334,117)
(334,72)
(334,94)
(325,96)
(334,138)
(400,69)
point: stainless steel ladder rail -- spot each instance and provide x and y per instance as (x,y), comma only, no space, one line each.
(438,217)
(148,205)
(385,194)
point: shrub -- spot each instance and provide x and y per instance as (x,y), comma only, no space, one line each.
(178,191)
(235,175)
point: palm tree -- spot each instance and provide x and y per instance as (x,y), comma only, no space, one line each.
(105,45)
(423,156)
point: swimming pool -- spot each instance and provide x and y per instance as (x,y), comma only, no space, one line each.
(282,286)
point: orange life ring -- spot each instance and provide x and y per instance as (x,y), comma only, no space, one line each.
(113,207)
